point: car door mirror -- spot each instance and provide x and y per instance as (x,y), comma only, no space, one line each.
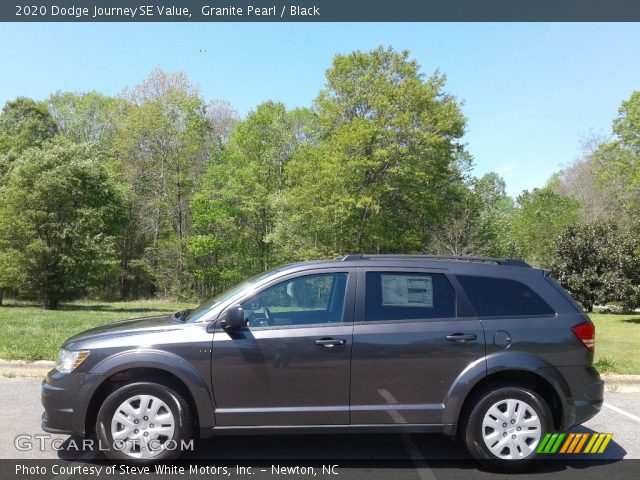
(234,318)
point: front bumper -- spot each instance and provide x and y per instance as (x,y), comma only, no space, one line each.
(59,397)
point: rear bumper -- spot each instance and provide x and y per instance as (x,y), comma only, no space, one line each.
(59,396)
(587,390)
(591,402)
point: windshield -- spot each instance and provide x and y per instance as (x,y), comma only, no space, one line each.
(210,304)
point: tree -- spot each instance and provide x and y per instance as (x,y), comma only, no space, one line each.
(627,257)
(491,190)
(234,209)
(541,215)
(583,181)
(606,180)
(24,124)
(59,214)
(84,117)
(598,264)
(627,125)
(163,143)
(385,165)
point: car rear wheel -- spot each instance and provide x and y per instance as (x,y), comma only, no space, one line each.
(505,426)
(143,422)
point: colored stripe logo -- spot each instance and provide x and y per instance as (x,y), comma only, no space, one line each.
(574,443)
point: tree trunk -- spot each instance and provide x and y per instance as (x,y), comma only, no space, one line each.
(50,303)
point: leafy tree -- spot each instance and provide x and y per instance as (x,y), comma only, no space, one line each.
(600,199)
(163,142)
(24,123)
(491,190)
(84,117)
(541,215)
(386,164)
(627,256)
(598,264)
(477,222)
(234,210)
(627,125)
(58,217)
(606,180)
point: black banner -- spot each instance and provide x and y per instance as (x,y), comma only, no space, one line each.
(319,10)
(308,469)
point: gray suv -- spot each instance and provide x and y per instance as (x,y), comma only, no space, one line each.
(490,350)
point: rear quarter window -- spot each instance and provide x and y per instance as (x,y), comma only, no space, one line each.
(499,297)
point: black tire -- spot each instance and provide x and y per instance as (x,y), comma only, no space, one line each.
(472,428)
(176,404)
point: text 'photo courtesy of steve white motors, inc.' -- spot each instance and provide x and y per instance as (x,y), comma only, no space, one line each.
(167,471)
(246,12)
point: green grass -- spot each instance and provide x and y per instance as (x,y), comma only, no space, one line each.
(617,343)
(31,333)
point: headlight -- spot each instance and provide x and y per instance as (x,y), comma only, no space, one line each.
(69,361)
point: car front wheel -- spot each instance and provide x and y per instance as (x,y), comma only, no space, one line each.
(143,422)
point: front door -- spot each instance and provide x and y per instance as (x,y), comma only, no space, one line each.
(290,366)
(409,346)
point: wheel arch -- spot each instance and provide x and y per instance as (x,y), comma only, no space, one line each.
(157,366)
(510,368)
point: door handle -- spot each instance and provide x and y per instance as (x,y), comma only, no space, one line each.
(461,337)
(330,342)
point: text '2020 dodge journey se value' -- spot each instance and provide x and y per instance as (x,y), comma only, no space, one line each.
(490,349)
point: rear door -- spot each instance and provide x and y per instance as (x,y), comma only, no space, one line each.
(409,345)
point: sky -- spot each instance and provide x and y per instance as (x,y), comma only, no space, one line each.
(531,92)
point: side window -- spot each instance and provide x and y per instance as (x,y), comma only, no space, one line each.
(408,296)
(307,300)
(495,297)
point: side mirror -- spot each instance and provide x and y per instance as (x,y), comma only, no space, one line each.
(234,318)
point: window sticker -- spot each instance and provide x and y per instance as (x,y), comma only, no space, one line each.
(407,291)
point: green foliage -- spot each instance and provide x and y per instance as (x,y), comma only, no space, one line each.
(475,223)
(162,140)
(386,164)
(234,210)
(24,123)
(627,257)
(627,125)
(607,179)
(194,200)
(598,263)
(58,217)
(84,117)
(534,226)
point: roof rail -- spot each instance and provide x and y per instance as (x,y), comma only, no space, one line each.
(498,261)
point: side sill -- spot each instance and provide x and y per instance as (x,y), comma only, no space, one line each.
(326,429)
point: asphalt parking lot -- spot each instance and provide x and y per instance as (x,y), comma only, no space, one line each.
(419,456)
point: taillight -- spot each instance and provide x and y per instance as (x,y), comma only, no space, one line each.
(586,333)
